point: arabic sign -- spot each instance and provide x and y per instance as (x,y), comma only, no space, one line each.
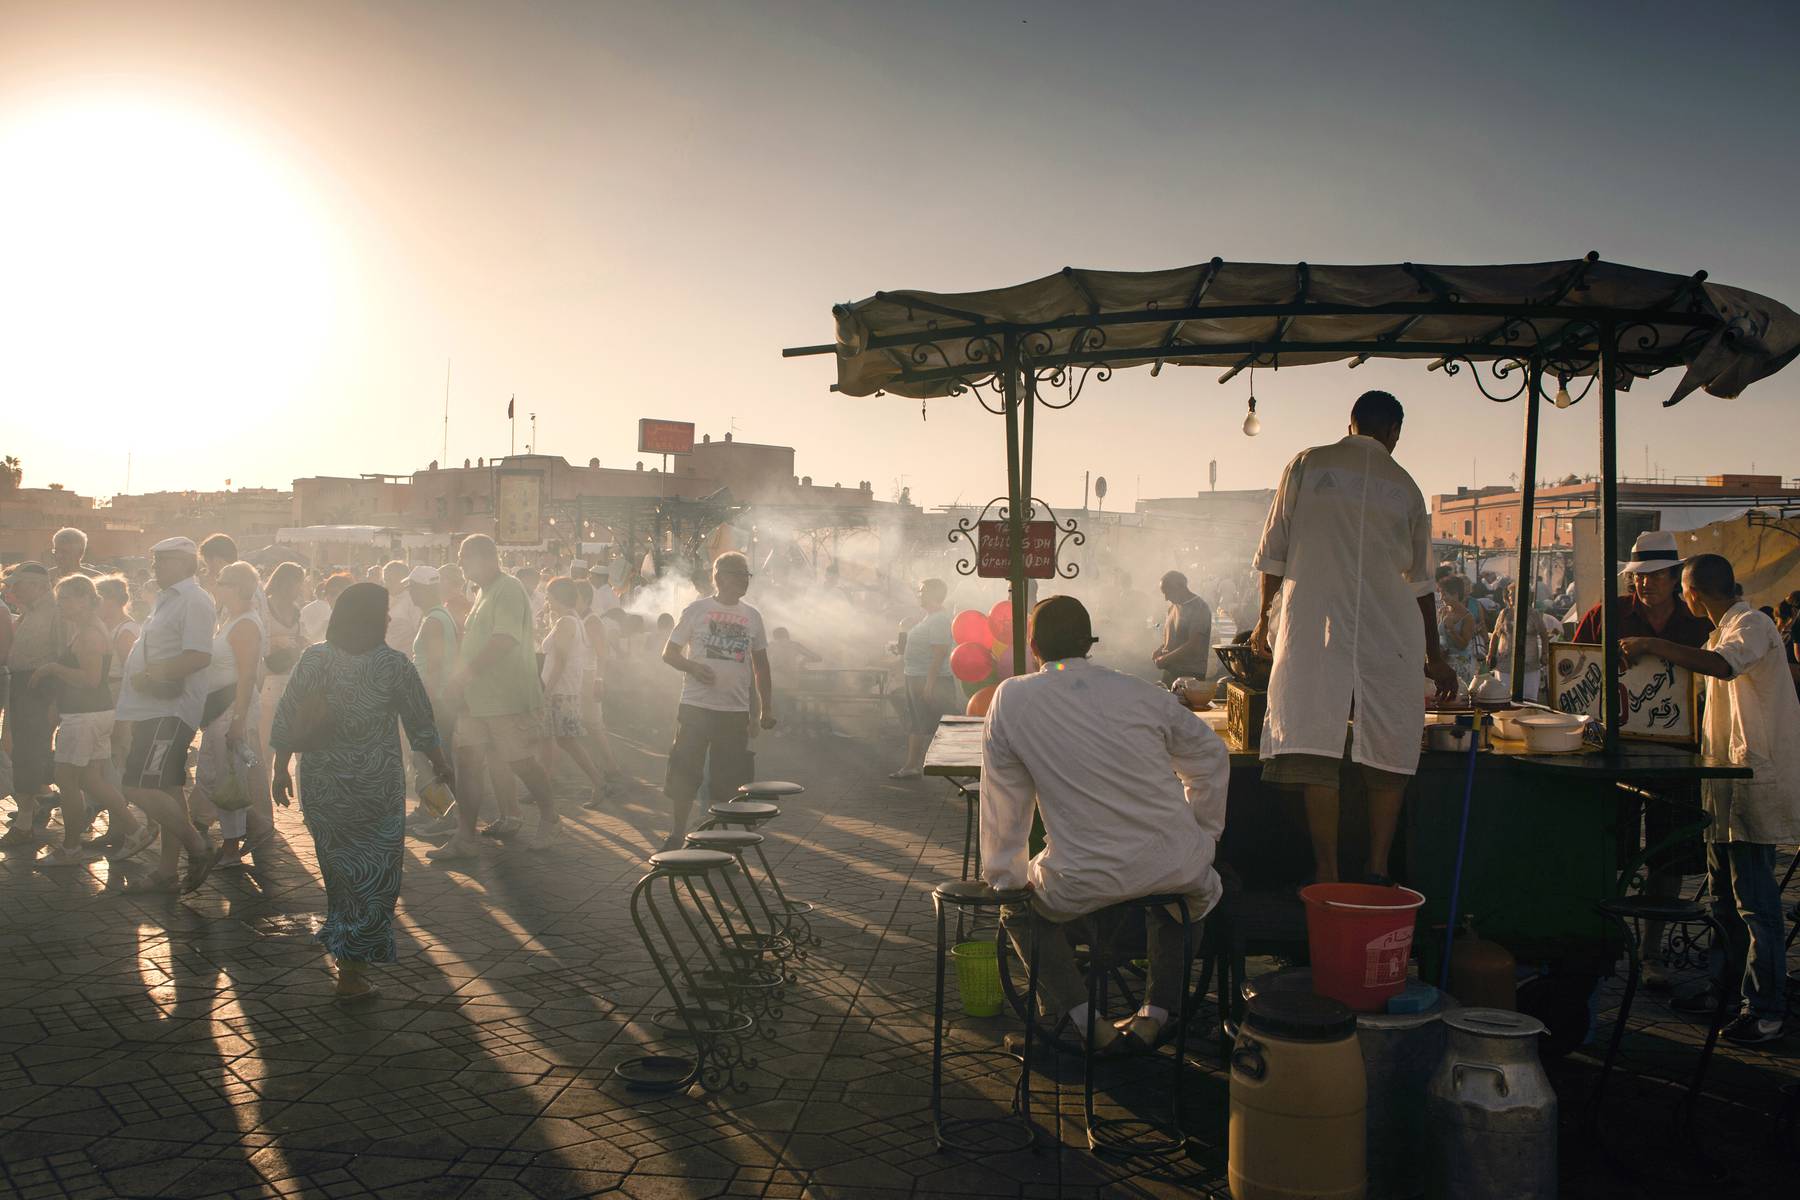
(518,507)
(1657,699)
(665,437)
(993,559)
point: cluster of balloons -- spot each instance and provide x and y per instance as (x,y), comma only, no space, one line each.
(983,653)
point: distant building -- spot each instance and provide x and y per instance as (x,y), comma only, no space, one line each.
(127,526)
(1489,517)
(461,499)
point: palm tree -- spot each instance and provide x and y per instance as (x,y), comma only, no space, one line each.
(10,472)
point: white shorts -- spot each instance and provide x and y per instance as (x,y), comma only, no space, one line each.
(83,738)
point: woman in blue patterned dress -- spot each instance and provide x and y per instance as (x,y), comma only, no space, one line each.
(338,715)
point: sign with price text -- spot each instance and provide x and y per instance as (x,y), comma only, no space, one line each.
(993,558)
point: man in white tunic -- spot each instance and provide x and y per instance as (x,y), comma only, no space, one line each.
(1752,720)
(1131,787)
(1347,552)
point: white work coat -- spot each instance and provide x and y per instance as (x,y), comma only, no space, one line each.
(1752,719)
(1350,537)
(1131,786)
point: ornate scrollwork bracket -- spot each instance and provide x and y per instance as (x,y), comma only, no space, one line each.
(1068,532)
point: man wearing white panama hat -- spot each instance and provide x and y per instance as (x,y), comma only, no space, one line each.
(1653,607)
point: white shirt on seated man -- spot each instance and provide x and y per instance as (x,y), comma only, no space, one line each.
(1131,788)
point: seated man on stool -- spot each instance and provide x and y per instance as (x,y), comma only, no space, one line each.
(1131,787)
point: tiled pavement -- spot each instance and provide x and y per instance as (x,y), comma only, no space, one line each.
(187,1047)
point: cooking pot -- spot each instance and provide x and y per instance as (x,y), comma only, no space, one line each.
(1489,690)
(1506,722)
(1552,732)
(1455,737)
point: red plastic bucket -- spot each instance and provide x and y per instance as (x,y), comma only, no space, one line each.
(1360,936)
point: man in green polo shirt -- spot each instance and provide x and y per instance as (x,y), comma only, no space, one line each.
(502,717)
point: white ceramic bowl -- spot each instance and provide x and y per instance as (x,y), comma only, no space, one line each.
(1551,732)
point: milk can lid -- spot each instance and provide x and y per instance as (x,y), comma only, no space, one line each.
(1494,1023)
(1299,1015)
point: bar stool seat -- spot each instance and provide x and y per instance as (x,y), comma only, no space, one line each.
(1654,908)
(690,862)
(1623,911)
(769,787)
(744,812)
(1014,1131)
(724,840)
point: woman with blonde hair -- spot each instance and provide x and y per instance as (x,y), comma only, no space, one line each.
(84,733)
(231,760)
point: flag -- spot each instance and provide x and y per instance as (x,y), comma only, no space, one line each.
(509,409)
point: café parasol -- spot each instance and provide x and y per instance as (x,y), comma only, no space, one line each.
(1513,328)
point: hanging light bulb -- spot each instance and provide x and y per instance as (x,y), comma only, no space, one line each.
(1252,424)
(1562,399)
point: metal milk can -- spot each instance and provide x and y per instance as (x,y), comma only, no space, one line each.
(1490,1114)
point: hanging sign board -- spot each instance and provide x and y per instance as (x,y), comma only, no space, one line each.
(665,437)
(993,559)
(1657,699)
(518,507)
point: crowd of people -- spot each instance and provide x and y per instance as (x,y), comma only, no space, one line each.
(173,704)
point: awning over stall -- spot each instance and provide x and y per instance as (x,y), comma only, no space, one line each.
(1234,315)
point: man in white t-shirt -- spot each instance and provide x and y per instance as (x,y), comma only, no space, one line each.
(720,645)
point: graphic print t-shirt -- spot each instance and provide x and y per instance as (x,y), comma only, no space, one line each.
(723,637)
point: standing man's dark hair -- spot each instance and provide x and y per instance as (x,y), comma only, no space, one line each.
(1377,414)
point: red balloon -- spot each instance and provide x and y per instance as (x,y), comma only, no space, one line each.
(999,620)
(970,626)
(978,703)
(971,662)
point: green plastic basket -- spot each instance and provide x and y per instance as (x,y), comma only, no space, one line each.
(977,978)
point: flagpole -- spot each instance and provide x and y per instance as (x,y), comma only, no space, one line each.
(445,458)
(511,405)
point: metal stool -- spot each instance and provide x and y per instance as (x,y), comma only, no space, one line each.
(963,896)
(769,940)
(691,938)
(752,815)
(970,792)
(1100,965)
(1624,911)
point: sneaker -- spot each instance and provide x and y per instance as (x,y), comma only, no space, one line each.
(1748,1029)
(133,843)
(505,827)
(1702,1003)
(65,856)
(547,838)
(435,828)
(230,860)
(455,850)
(199,867)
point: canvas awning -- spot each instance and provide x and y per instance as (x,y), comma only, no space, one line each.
(1235,315)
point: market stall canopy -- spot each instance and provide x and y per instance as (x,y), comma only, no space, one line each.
(1237,315)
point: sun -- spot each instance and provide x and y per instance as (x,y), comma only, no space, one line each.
(157,268)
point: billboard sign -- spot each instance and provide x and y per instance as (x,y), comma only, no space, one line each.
(518,507)
(665,437)
(994,550)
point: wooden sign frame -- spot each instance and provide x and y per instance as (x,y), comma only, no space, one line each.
(1574,678)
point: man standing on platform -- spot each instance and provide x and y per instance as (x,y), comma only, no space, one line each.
(1347,549)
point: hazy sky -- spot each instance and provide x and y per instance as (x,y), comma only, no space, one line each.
(240,240)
